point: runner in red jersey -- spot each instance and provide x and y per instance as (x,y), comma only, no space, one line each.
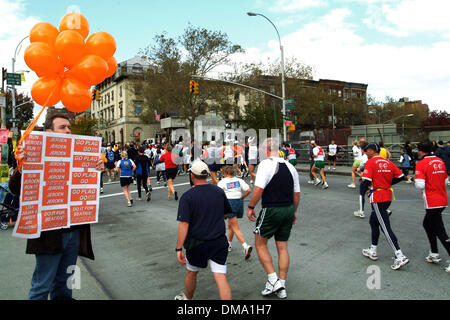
(381,174)
(431,178)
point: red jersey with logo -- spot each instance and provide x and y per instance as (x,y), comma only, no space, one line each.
(433,172)
(168,158)
(381,172)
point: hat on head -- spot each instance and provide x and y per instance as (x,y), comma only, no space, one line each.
(199,168)
(212,143)
(373,146)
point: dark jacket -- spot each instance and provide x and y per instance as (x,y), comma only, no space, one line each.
(50,242)
(441,152)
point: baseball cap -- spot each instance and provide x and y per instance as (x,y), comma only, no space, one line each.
(199,168)
(372,145)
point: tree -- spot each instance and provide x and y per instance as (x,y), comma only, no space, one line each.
(86,126)
(24,110)
(174,63)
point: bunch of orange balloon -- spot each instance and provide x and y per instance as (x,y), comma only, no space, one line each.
(66,64)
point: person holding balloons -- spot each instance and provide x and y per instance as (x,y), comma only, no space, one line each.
(68,63)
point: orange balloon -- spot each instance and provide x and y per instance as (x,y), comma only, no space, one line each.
(41,58)
(112,67)
(70,47)
(75,21)
(91,70)
(75,95)
(46,89)
(101,44)
(44,32)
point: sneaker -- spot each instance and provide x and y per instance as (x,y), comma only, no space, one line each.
(131,200)
(400,262)
(282,294)
(109,180)
(140,199)
(317,182)
(181,296)
(165,184)
(433,258)
(101,190)
(129,203)
(447,269)
(247,252)
(311,181)
(334,168)
(229,246)
(408,181)
(271,288)
(176,195)
(389,212)
(150,189)
(157,183)
(359,214)
(370,254)
(325,186)
(351,186)
(329,168)
(149,195)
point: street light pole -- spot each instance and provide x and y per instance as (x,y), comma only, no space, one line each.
(14,88)
(283,92)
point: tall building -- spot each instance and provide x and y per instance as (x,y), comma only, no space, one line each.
(121,106)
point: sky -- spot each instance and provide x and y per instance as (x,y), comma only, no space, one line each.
(399,48)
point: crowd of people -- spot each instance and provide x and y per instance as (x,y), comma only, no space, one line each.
(273,182)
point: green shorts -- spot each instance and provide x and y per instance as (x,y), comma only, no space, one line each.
(275,221)
(293,162)
(357,163)
(319,164)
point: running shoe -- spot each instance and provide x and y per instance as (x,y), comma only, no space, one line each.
(140,199)
(247,252)
(400,262)
(389,212)
(271,288)
(311,181)
(329,168)
(433,258)
(229,246)
(282,294)
(101,190)
(150,189)
(317,182)
(359,214)
(165,184)
(181,296)
(351,186)
(149,195)
(176,195)
(370,254)
(131,200)
(129,203)
(157,183)
(334,168)
(447,269)
(325,186)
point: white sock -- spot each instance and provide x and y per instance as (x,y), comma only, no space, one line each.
(373,248)
(245,245)
(399,253)
(283,283)
(272,277)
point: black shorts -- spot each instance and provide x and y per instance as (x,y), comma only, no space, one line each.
(331,158)
(214,167)
(110,165)
(125,181)
(215,250)
(171,173)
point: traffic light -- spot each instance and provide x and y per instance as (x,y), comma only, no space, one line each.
(193,87)
(98,95)
(93,94)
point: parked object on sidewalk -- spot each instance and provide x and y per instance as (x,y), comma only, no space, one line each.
(9,206)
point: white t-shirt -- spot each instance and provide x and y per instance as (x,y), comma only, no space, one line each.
(320,154)
(267,169)
(332,149)
(364,159)
(233,187)
(357,154)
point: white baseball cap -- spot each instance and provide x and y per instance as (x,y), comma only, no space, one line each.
(199,168)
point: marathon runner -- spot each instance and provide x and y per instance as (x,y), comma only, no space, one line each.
(332,152)
(319,157)
(431,178)
(381,174)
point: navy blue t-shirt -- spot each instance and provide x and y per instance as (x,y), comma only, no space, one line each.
(204,207)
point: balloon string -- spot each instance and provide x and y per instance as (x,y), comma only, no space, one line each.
(29,129)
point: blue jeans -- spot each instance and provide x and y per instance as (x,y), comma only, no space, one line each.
(50,274)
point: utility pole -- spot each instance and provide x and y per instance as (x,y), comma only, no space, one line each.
(3,98)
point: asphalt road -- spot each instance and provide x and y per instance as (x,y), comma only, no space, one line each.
(135,257)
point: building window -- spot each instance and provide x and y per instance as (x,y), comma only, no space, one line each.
(112,113)
(120,91)
(112,95)
(138,108)
(120,109)
(339,93)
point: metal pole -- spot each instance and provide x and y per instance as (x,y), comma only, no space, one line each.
(283,91)
(13,98)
